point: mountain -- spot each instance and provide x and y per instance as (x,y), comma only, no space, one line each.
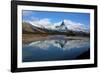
(63,27)
(29,28)
(49,26)
(26,27)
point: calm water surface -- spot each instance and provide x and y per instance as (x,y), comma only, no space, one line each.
(53,49)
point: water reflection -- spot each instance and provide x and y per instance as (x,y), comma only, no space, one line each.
(48,50)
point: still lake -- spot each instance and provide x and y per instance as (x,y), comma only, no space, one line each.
(54,48)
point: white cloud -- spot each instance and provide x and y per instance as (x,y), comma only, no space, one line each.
(58,23)
(76,26)
(27,12)
(28,15)
(44,23)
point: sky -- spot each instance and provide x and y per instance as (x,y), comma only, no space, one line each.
(74,21)
(54,17)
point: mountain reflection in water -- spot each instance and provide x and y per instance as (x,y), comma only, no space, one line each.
(55,49)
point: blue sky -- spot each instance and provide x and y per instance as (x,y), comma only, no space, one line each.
(83,18)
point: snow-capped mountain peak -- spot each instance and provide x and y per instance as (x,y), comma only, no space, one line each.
(60,26)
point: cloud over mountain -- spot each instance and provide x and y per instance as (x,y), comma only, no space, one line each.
(76,26)
(43,23)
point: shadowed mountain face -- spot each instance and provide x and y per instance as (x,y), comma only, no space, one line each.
(62,27)
(28,28)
